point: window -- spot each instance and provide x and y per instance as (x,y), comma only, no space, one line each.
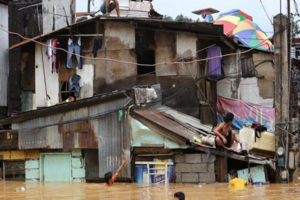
(64,91)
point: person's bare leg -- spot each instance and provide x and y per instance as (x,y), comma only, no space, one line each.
(221,144)
(117,7)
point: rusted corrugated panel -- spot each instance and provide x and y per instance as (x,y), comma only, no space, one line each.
(113,137)
(81,133)
(113,145)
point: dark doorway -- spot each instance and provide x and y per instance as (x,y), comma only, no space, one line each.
(148,58)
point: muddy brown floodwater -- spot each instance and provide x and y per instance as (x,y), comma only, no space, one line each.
(36,190)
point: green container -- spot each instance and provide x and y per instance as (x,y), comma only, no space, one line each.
(281,162)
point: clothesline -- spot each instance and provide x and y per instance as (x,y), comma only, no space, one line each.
(79,35)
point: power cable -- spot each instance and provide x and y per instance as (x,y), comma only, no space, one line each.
(266,12)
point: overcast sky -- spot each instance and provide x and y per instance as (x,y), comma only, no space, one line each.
(185,7)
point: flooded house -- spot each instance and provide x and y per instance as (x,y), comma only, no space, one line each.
(142,88)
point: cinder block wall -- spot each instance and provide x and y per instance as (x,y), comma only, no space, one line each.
(195,168)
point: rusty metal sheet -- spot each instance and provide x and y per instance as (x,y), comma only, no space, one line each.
(73,129)
(114,145)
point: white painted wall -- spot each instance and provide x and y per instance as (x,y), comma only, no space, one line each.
(87,80)
(52,82)
(248,91)
(60,21)
(4,56)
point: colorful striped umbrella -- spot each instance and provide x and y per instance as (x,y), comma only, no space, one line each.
(229,23)
(250,35)
(237,13)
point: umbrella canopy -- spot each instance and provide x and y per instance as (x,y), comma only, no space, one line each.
(237,13)
(229,23)
(250,35)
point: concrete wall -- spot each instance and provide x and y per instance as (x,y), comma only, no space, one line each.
(186,46)
(195,168)
(51,21)
(4,56)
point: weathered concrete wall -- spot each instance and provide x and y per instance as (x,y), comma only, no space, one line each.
(165,52)
(186,45)
(51,81)
(54,15)
(4,55)
(195,168)
(118,44)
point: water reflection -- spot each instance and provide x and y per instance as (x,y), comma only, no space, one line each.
(36,190)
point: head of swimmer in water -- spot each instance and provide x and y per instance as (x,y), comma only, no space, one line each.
(233,173)
(108,178)
(179,196)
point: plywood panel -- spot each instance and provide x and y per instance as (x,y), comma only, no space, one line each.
(51,81)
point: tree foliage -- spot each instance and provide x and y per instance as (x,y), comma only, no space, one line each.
(179,18)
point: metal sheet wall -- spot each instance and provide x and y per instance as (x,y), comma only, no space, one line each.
(4,58)
(81,134)
(113,145)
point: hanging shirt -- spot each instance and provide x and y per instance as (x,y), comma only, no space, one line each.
(215,64)
(54,56)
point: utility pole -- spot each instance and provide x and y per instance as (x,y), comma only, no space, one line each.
(89,6)
(282,92)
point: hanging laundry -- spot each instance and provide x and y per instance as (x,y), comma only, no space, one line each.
(74,45)
(215,64)
(60,44)
(75,84)
(97,46)
(54,56)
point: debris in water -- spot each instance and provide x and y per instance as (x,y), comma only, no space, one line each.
(20,189)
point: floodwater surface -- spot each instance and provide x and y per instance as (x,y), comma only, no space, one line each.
(36,190)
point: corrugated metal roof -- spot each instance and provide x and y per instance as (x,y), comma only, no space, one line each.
(169,125)
(59,108)
(185,118)
(199,27)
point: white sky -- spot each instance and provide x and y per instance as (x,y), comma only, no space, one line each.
(185,7)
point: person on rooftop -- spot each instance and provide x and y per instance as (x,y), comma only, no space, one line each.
(109,5)
(225,136)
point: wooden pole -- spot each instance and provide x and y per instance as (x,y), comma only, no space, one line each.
(282,91)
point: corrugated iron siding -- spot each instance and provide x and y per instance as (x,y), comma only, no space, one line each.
(81,134)
(113,145)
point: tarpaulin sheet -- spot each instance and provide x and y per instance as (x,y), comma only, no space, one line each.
(245,113)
